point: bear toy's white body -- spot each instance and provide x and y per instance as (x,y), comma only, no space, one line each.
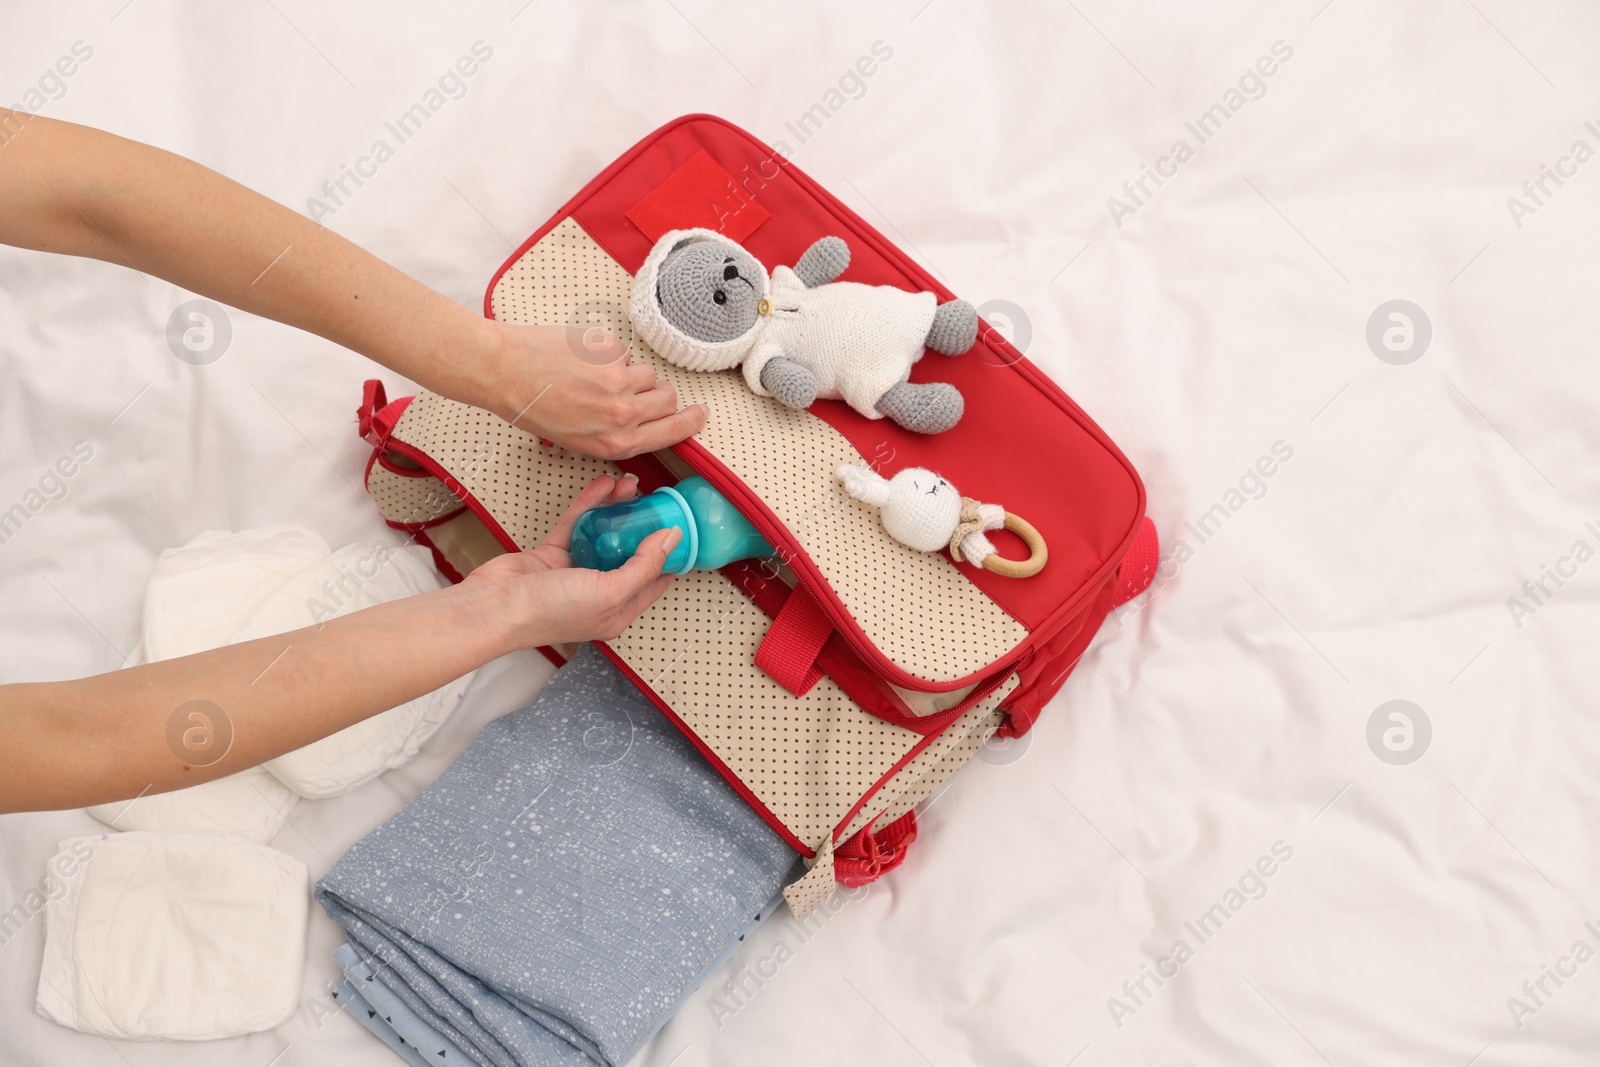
(859,341)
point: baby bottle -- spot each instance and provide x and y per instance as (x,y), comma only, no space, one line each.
(714,533)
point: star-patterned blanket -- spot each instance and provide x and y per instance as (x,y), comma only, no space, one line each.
(555,895)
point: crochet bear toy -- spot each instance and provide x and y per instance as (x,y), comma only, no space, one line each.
(706,304)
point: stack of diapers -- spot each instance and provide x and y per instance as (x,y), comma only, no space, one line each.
(353,578)
(223,588)
(558,892)
(186,925)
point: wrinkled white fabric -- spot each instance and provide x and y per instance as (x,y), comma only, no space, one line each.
(199,593)
(252,803)
(176,936)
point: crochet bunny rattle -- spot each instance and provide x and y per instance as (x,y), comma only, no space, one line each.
(922,510)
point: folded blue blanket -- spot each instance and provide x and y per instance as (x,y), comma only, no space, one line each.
(560,890)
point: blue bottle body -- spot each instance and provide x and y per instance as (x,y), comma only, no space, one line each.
(714,533)
(603,539)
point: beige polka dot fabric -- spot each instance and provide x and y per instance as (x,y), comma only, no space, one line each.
(916,607)
(807,760)
(410,499)
(910,786)
(813,887)
(524,484)
(932,767)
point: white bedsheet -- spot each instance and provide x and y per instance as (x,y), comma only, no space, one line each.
(1227,313)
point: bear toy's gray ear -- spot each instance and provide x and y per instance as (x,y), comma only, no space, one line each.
(682,242)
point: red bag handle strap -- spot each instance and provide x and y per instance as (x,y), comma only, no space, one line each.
(377,416)
(794,641)
(371,424)
(870,854)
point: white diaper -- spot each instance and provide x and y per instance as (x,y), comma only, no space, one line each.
(252,803)
(224,588)
(177,936)
(355,577)
(198,594)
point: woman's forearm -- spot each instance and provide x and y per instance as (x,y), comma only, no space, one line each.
(81,191)
(75,190)
(185,721)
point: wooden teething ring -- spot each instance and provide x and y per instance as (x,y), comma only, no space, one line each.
(1020,568)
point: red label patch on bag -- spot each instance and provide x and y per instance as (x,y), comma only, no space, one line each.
(698,193)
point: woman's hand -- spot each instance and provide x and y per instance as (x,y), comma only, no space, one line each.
(578,388)
(79,191)
(538,597)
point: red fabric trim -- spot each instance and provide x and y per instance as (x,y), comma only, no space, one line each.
(1054,661)
(394,468)
(416,527)
(455,488)
(405,527)
(375,418)
(415,531)
(869,855)
(1138,567)
(444,565)
(838,660)
(789,651)
(372,398)
(935,729)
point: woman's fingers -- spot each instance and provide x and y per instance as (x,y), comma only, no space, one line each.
(641,377)
(637,583)
(580,388)
(657,403)
(627,488)
(645,565)
(594,494)
(669,429)
(657,423)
